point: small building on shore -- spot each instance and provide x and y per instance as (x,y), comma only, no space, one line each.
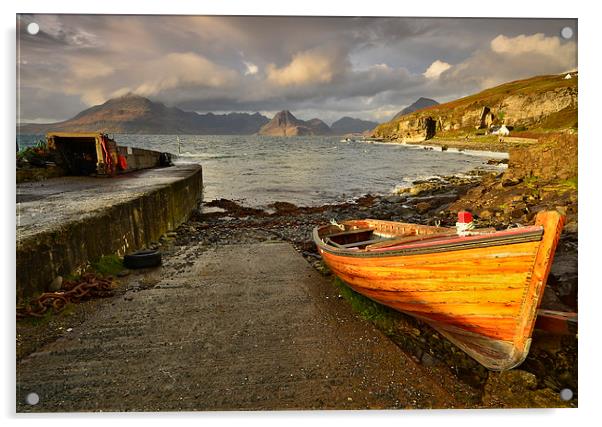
(499,130)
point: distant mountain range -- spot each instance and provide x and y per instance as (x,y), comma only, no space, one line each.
(350,125)
(286,124)
(418,105)
(136,114)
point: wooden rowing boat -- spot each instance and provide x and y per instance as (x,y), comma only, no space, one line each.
(480,289)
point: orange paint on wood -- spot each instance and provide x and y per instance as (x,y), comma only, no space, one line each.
(482,298)
(552,222)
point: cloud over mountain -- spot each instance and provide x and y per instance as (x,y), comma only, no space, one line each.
(328,67)
(512,58)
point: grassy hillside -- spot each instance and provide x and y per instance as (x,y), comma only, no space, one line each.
(535,105)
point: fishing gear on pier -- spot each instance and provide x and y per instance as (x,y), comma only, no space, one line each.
(73,291)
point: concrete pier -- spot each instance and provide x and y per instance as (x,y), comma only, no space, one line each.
(64,223)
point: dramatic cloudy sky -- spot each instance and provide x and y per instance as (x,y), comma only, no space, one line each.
(328,67)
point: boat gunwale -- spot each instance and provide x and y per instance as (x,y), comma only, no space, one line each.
(483,241)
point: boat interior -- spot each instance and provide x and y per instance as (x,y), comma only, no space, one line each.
(376,235)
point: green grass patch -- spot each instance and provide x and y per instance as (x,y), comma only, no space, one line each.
(383,317)
(68,310)
(108,265)
(570,183)
(531,181)
(37,321)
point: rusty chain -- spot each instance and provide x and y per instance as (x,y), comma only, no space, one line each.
(86,287)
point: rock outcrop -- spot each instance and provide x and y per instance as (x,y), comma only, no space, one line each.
(519,389)
(553,159)
(486,119)
(285,124)
(543,102)
(539,176)
(417,129)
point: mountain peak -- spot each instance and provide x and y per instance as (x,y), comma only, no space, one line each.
(419,104)
(286,118)
(348,124)
(285,123)
(132,100)
(130,96)
(132,113)
(285,114)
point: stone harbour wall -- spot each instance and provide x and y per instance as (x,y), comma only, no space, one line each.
(116,229)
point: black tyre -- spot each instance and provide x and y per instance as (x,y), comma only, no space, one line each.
(142,259)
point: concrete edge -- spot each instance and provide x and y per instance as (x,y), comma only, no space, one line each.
(118,229)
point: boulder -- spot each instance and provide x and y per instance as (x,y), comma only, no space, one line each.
(518,389)
(423,207)
(485,214)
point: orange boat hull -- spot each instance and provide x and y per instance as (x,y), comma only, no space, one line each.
(482,299)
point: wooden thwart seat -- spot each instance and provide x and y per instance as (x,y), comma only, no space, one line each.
(351,232)
(328,241)
(365,242)
(409,239)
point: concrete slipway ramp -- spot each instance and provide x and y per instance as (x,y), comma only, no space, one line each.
(247,327)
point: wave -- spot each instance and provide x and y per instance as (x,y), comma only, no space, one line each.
(468,152)
(318,172)
(478,153)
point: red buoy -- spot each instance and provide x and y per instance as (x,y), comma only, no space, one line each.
(123,163)
(464,217)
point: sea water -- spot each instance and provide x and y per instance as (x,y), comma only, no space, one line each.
(307,171)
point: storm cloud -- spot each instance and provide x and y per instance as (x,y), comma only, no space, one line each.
(325,67)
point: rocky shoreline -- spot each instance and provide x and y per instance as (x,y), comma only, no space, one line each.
(469,144)
(550,367)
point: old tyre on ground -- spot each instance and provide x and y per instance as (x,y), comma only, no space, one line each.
(142,259)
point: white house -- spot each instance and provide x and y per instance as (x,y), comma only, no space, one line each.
(502,130)
(568,76)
